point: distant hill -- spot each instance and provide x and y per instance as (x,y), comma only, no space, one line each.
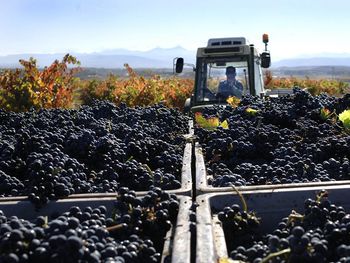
(116,58)
(312,61)
(331,72)
(161,58)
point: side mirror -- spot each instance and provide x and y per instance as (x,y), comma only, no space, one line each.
(265,60)
(179,65)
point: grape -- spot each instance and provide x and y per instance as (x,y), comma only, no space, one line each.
(317,237)
(53,153)
(286,142)
(72,236)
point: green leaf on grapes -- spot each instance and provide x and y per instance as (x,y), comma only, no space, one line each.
(210,123)
(251,112)
(224,124)
(201,121)
(213,122)
(325,113)
(344,117)
(346,123)
(233,101)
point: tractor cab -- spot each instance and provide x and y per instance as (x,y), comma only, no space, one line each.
(226,67)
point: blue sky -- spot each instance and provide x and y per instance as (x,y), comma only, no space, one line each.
(296,28)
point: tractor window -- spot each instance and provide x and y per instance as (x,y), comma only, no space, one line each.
(220,79)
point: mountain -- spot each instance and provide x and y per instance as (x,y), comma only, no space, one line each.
(162,58)
(313,61)
(114,58)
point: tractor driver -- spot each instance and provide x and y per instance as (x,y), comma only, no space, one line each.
(231,86)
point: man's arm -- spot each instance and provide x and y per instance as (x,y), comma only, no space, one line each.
(221,86)
(239,85)
(237,89)
(222,92)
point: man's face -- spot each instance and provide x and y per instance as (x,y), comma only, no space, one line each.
(231,76)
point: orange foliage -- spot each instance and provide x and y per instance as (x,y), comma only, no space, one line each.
(139,91)
(314,86)
(22,89)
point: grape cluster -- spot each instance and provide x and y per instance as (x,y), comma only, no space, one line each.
(321,234)
(54,153)
(134,232)
(285,142)
(242,224)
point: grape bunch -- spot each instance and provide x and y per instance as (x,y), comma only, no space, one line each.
(320,234)
(53,153)
(133,232)
(242,224)
(285,141)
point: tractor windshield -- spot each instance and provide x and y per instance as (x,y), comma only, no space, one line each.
(220,78)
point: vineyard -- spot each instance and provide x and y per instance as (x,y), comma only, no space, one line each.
(57,86)
(314,86)
(112,171)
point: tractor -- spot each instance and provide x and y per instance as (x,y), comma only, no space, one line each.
(212,64)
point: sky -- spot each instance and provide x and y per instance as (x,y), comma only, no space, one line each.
(296,27)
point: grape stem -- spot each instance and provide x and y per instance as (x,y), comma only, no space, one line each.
(46,224)
(321,195)
(130,158)
(241,197)
(115,227)
(149,170)
(276,254)
(294,216)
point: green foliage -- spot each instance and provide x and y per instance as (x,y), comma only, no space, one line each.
(344,117)
(251,112)
(325,113)
(233,101)
(210,123)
